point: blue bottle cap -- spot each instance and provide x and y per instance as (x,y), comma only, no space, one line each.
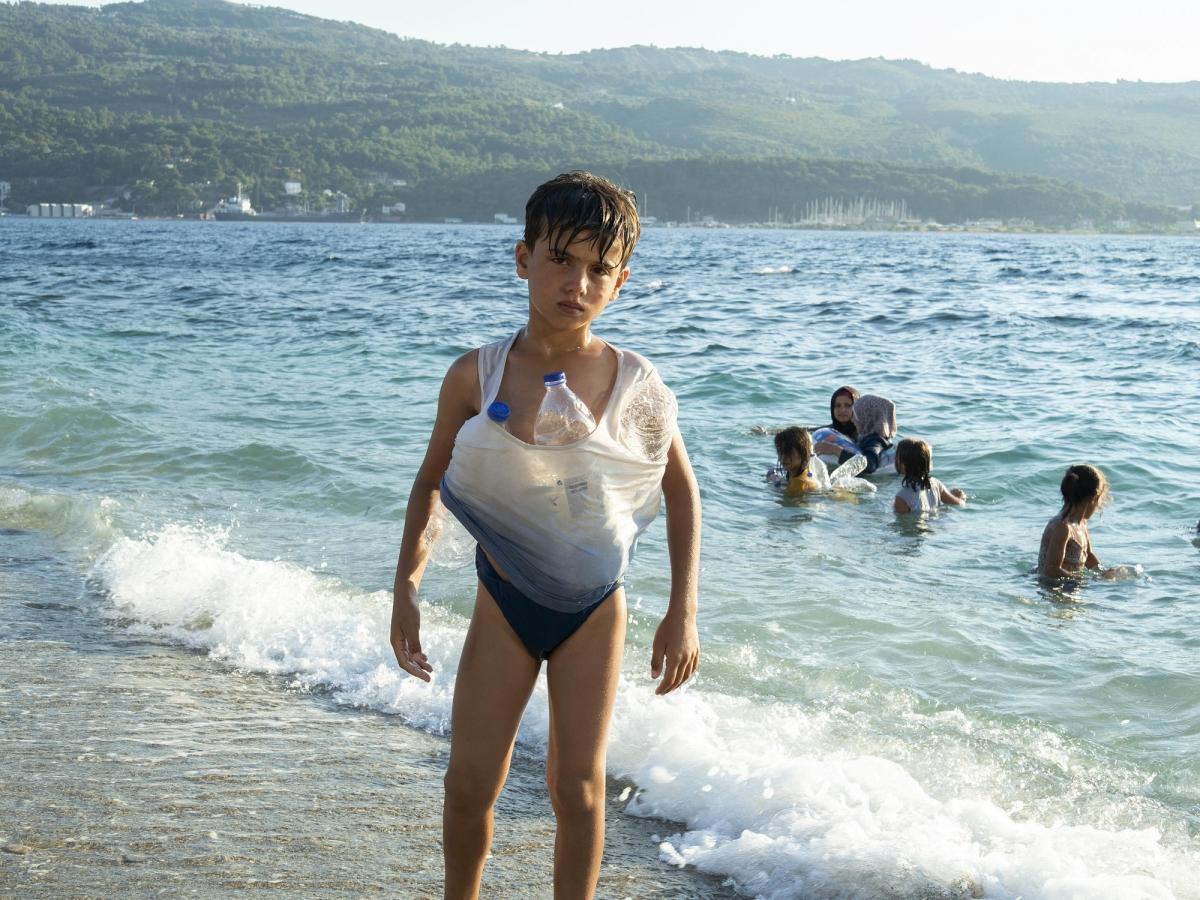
(553,378)
(498,412)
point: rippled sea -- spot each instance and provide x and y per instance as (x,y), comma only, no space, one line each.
(208,432)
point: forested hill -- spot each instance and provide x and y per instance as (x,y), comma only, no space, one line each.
(177,99)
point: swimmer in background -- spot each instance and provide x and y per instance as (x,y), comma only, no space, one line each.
(796,472)
(841,420)
(875,419)
(920,491)
(1066,547)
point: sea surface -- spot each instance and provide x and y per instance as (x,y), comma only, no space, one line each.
(208,432)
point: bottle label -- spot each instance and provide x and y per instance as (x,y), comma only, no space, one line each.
(576,490)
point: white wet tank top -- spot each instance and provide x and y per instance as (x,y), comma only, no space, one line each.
(562,522)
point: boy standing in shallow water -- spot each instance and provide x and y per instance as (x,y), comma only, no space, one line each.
(556,528)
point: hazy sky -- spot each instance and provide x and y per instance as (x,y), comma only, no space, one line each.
(1045,40)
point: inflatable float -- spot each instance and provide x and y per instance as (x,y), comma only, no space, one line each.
(828,444)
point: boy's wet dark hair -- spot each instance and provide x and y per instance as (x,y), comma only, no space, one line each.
(1081,484)
(794,440)
(916,458)
(580,204)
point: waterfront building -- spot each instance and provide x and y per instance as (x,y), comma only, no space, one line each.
(61,210)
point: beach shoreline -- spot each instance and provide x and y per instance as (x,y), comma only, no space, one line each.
(135,766)
(957,229)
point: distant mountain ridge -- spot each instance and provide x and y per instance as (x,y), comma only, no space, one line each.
(174,94)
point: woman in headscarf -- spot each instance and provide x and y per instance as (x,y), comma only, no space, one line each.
(841,411)
(840,434)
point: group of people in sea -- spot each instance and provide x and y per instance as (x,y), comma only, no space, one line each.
(858,441)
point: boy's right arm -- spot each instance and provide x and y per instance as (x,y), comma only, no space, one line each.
(458,401)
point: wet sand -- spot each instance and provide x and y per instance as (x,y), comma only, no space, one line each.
(135,768)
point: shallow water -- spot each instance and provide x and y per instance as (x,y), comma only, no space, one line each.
(208,432)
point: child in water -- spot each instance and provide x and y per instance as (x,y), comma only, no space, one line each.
(552,547)
(797,469)
(1066,547)
(920,491)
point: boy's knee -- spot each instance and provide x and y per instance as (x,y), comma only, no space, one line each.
(468,792)
(576,794)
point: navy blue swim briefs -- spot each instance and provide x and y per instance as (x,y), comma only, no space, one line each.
(540,628)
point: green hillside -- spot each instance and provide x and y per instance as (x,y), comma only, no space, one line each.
(173,101)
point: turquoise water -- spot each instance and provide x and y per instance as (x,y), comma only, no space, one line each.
(216,426)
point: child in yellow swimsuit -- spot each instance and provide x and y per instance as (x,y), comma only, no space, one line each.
(795,473)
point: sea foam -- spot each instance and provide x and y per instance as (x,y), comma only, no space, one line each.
(783,799)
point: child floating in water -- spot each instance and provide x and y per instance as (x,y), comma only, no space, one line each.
(1066,547)
(920,491)
(798,470)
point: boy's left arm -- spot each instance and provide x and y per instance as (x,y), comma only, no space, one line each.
(676,652)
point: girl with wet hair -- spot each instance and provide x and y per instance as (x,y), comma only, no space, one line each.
(797,469)
(920,491)
(1066,548)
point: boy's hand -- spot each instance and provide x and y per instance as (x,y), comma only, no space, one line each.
(676,652)
(406,636)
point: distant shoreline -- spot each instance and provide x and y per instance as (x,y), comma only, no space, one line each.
(755,226)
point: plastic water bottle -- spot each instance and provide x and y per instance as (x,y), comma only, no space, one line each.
(562,418)
(498,412)
(849,469)
(844,477)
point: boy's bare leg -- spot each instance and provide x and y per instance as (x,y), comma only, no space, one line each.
(582,677)
(496,675)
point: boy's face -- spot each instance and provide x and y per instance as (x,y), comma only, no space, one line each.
(570,286)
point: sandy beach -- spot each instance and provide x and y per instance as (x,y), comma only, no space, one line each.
(134,768)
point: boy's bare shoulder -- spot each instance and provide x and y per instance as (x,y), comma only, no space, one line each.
(467,364)
(462,378)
